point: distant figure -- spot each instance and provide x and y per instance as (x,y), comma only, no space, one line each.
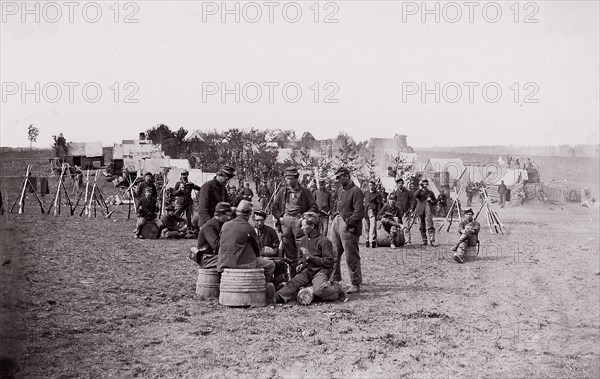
(264,194)
(325,203)
(147,210)
(390,216)
(247,193)
(173,226)
(405,199)
(470,190)
(502,193)
(442,203)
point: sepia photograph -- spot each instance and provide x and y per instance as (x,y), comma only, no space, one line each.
(300,189)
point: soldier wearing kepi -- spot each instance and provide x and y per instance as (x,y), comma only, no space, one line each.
(315,264)
(291,201)
(349,210)
(469,235)
(206,254)
(183,192)
(424,210)
(325,203)
(404,201)
(213,192)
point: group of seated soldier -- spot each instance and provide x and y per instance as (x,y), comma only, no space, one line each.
(228,240)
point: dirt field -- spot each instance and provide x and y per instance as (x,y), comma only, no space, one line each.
(82,298)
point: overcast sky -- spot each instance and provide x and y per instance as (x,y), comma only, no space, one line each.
(375,59)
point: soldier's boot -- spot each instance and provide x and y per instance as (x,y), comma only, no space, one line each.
(432,239)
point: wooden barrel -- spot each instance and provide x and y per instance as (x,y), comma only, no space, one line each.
(149,231)
(208,283)
(243,288)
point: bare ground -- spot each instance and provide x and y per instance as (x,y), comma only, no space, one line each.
(82,298)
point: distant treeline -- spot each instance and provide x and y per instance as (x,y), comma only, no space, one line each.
(549,151)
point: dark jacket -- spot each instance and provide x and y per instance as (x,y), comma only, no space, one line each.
(208,237)
(306,201)
(147,208)
(373,201)
(321,251)
(211,193)
(183,191)
(404,199)
(141,190)
(238,244)
(350,206)
(268,237)
(170,222)
(421,196)
(324,200)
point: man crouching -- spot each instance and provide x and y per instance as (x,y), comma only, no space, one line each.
(315,263)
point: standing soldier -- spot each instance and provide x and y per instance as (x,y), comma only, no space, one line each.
(373,204)
(213,192)
(291,202)
(470,191)
(442,203)
(183,202)
(424,210)
(349,210)
(264,194)
(404,201)
(324,202)
(148,182)
(502,189)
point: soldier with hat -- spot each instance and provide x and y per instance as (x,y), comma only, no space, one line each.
(206,253)
(173,226)
(373,204)
(291,201)
(404,201)
(325,203)
(238,245)
(468,229)
(426,202)
(390,216)
(315,263)
(268,242)
(213,192)
(349,210)
(183,197)
(148,182)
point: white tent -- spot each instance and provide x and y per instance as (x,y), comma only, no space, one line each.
(86,149)
(454,166)
(156,165)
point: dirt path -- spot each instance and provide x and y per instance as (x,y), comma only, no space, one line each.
(81,298)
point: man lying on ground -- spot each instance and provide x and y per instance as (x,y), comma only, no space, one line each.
(315,263)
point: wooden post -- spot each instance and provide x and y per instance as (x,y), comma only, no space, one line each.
(87,187)
(22,197)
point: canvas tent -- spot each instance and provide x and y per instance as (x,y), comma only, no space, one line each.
(155,165)
(454,166)
(85,154)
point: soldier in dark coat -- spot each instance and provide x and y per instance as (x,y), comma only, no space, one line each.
(324,201)
(291,201)
(373,203)
(238,244)
(213,192)
(315,263)
(405,200)
(148,182)
(183,197)
(424,207)
(206,253)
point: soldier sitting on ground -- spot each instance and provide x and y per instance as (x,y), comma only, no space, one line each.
(469,235)
(390,216)
(315,263)
(173,226)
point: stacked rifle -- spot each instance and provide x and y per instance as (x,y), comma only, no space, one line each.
(493,220)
